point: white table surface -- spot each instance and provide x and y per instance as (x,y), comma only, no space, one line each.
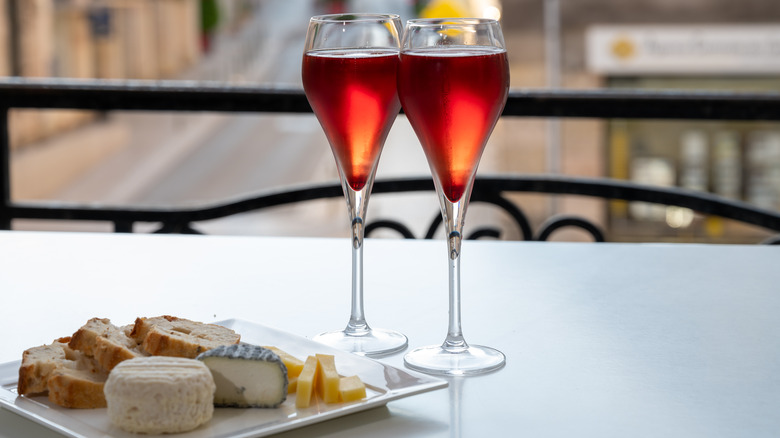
(602,340)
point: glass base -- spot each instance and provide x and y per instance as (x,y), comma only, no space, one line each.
(475,359)
(372,342)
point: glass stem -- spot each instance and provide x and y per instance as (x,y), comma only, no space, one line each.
(357,201)
(454,213)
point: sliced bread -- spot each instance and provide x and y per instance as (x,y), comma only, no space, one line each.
(178,337)
(85,338)
(70,378)
(79,386)
(38,364)
(116,346)
(107,343)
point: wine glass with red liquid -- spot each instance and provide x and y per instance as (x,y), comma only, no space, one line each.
(453,82)
(350,64)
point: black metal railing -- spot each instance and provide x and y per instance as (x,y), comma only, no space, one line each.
(186,96)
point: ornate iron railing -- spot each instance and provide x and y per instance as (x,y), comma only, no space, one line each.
(185,96)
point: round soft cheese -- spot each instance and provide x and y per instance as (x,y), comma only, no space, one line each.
(247,376)
(160,395)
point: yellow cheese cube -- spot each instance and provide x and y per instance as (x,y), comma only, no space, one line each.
(293,364)
(327,378)
(351,388)
(292,385)
(306,381)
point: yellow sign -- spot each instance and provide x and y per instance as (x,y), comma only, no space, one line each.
(444,9)
(623,47)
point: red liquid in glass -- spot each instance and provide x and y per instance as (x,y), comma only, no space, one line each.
(453,98)
(355,97)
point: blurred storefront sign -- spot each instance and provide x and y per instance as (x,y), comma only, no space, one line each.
(737,160)
(692,49)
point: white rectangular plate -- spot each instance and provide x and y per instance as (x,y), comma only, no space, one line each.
(383,383)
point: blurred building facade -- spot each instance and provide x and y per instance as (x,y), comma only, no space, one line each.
(652,44)
(104,39)
(137,39)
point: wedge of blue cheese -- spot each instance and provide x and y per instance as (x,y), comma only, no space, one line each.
(246,376)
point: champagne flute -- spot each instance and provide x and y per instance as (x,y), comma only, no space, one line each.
(349,75)
(453,82)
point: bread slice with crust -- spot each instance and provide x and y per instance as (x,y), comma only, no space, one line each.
(171,336)
(84,339)
(80,386)
(70,378)
(107,343)
(38,364)
(116,346)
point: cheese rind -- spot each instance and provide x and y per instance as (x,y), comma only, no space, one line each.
(328,378)
(246,376)
(306,381)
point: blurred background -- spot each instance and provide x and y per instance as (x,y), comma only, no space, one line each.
(152,159)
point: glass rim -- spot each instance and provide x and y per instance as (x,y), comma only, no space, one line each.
(445,22)
(354,17)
